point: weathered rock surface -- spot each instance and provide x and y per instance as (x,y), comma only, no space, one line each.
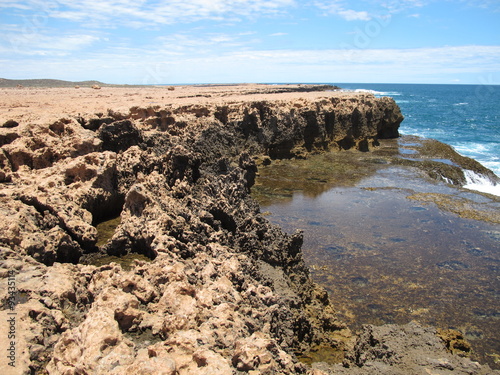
(226,291)
(408,349)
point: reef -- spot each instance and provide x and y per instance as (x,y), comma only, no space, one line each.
(214,288)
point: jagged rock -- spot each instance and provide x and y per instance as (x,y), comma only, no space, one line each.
(40,146)
(119,136)
(225,291)
(407,349)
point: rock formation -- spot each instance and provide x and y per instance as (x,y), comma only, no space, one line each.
(225,290)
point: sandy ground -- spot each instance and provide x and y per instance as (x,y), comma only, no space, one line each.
(43,105)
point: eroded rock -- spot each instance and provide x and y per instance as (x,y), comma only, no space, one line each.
(226,291)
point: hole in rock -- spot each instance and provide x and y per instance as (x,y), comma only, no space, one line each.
(123,250)
(347,143)
(327,354)
(225,219)
(106,229)
(106,216)
(106,208)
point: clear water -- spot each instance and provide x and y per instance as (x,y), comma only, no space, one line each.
(106,230)
(385,258)
(385,252)
(466,117)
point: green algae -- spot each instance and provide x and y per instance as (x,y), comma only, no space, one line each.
(322,353)
(398,243)
(464,208)
(439,160)
(312,176)
(106,230)
(127,262)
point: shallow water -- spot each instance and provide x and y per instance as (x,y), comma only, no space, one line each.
(127,262)
(106,229)
(385,258)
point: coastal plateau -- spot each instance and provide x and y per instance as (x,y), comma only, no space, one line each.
(209,285)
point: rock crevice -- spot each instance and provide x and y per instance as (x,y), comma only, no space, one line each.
(226,291)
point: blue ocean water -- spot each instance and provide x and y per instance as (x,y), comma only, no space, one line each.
(466,117)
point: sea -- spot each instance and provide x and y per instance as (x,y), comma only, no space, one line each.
(385,255)
(467,117)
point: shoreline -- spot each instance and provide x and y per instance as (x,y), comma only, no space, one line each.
(385,238)
(170,163)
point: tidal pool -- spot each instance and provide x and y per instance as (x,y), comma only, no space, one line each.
(106,229)
(386,258)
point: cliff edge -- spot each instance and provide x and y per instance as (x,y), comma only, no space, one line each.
(213,287)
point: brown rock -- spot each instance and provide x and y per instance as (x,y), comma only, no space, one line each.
(224,290)
(96,346)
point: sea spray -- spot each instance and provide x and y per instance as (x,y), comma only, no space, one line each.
(480,183)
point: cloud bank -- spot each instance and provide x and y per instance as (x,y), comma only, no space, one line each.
(145,41)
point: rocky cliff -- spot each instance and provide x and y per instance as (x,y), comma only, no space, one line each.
(215,288)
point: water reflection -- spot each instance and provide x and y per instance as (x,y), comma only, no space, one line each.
(385,258)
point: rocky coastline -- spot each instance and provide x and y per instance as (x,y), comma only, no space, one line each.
(215,288)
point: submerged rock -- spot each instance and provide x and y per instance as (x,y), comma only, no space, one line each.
(407,349)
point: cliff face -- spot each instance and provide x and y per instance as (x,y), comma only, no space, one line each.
(283,129)
(79,171)
(226,290)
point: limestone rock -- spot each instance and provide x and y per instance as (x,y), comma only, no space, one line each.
(224,290)
(408,349)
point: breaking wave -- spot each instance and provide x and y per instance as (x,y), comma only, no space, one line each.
(480,183)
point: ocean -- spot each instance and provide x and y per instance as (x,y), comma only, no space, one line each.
(377,242)
(466,117)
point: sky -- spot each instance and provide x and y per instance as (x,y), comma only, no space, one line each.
(266,41)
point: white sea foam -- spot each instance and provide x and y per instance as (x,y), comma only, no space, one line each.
(472,148)
(480,183)
(494,165)
(483,153)
(379,93)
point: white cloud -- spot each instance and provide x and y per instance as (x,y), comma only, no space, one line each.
(9,28)
(483,4)
(397,6)
(106,13)
(16,4)
(33,44)
(470,57)
(221,38)
(431,65)
(351,15)
(68,42)
(336,7)
(197,43)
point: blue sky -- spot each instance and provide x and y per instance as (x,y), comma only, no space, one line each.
(231,41)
